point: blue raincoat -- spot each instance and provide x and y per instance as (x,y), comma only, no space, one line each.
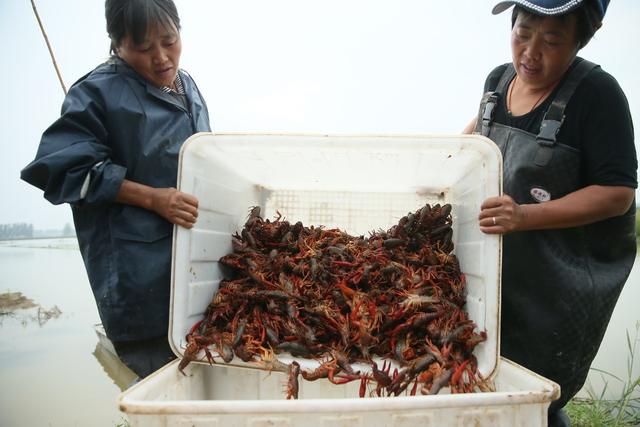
(115,125)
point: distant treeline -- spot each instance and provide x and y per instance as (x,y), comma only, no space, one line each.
(22,230)
(18,230)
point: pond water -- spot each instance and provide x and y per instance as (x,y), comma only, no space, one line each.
(54,372)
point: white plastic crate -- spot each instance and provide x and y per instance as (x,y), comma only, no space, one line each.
(356,183)
(241,397)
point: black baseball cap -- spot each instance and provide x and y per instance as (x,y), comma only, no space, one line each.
(551,7)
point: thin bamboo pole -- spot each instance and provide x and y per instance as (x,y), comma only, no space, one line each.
(46,39)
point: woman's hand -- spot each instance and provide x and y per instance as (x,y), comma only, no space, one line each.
(175,206)
(499,215)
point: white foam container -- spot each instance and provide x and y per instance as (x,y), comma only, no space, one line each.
(357,183)
(239,397)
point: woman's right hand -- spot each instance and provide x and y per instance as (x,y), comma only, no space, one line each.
(175,206)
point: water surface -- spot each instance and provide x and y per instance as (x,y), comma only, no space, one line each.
(51,371)
(55,372)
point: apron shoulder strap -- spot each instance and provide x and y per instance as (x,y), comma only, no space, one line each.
(490,100)
(554,117)
(508,75)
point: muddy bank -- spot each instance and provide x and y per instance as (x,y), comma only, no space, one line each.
(12,302)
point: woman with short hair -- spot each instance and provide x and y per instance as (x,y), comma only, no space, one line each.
(113,156)
(567,214)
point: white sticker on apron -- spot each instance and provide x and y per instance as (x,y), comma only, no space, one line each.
(540,195)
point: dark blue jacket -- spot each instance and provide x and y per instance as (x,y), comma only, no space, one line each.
(115,125)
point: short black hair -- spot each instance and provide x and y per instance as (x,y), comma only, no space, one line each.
(135,17)
(587,20)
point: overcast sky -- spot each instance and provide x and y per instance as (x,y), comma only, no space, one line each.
(295,66)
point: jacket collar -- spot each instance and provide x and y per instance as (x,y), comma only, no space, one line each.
(121,67)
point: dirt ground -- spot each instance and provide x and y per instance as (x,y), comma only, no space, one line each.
(12,301)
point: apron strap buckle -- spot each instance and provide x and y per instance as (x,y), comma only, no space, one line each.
(546,140)
(548,132)
(490,104)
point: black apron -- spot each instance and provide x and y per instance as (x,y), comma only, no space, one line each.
(559,287)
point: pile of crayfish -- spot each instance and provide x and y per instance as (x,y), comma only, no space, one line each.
(323,294)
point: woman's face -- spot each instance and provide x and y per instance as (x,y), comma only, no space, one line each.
(543,48)
(157,58)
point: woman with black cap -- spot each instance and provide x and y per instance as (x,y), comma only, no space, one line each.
(113,156)
(567,213)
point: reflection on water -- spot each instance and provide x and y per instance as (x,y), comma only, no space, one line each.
(106,355)
(25,316)
(121,376)
(55,372)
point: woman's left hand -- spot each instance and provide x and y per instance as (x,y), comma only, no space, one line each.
(499,215)
(175,206)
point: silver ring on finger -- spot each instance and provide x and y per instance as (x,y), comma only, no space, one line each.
(494,220)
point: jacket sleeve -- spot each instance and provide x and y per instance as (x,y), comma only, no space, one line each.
(73,163)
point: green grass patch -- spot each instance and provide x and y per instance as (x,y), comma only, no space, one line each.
(595,411)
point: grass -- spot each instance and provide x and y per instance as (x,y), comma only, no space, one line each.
(595,411)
